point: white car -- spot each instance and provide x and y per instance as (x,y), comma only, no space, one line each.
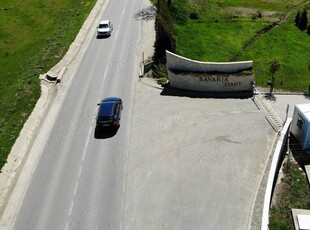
(104,29)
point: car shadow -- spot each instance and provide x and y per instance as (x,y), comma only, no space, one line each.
(103,36)
(104,133)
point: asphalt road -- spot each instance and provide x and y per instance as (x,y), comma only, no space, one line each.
(74,186)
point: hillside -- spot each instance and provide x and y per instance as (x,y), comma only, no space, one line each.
(258,30)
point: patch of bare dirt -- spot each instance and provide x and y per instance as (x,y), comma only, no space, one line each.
(243,11)
(281,191)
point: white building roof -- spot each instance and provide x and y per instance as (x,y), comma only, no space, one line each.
(303,221)
(305,110)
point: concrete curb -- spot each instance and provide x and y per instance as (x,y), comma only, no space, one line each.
(265,91)
(273,172)
(17,172)
(61,74)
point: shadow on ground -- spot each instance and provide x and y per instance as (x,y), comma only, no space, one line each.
(103,36)
(307,96)
(148,13)
(104,133)
(169,91)
(301,156)
(273,97)
(270,97)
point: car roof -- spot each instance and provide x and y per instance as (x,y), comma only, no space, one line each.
(116,99)
(106,109)
(104,22)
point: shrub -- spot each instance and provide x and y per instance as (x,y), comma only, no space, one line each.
(160,72)
(194,16)
(180,14)
(259,14)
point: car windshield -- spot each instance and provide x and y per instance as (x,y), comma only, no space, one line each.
(102,119)
(103,26)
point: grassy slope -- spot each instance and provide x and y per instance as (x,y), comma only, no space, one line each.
(220,33)
(294,193)
(291,48)
(34,35)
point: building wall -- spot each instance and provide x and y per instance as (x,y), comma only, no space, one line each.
(301,127)
(193,75)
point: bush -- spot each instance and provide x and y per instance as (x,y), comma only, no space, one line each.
(194,16)
(180,14)
(160,72)
(259,14)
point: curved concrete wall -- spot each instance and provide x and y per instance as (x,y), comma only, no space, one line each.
(184,73)
(177,62)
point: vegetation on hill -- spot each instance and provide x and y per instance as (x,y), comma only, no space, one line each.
(262,31)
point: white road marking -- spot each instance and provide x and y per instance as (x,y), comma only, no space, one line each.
(80,172)
(113,46)
(71,207)
(218,114)
(86,144)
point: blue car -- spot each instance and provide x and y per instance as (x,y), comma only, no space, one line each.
(109,113)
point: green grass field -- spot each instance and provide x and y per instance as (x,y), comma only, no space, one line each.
(34,35)
(224,27)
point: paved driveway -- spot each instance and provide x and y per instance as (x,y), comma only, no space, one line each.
(193,163)
(280,102)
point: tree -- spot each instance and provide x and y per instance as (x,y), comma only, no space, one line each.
(303,21)
(169,3)
(274,67)
(165,35)
(309,70)
(308,30)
